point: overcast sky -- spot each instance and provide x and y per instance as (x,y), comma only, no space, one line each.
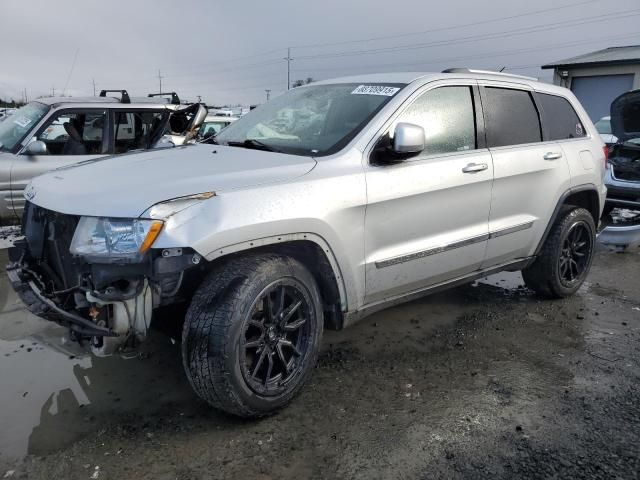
(230,52)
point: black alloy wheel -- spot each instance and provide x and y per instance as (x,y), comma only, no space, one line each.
(275,337)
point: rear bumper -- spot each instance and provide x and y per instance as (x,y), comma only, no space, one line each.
(624,194)
(620,236)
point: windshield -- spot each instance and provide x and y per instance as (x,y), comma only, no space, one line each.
(315,120)
(603,126)
(15,127)
(211,128)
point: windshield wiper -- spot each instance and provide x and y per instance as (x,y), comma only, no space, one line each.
(253,144)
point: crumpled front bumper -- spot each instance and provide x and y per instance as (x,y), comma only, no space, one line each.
(25,283)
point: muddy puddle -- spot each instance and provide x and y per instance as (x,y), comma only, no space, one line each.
(53,393)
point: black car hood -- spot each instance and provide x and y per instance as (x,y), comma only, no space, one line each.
(625,116)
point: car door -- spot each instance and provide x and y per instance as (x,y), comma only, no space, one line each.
(86,142)
(426,217)
(529,174)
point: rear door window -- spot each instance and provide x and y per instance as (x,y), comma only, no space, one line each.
(133,130)
(560,121)
(511,117)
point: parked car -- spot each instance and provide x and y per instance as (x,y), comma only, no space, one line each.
(604,129)
(53,132)
(212,126)
(398,185)
(623,175)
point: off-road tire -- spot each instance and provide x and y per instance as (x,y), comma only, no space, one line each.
(215,323)
(543,276)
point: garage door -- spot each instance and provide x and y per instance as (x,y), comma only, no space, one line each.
(596,93)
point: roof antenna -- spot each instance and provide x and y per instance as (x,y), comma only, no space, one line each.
(502,69)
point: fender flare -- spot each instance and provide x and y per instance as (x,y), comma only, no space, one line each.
(284,238)
(556,212)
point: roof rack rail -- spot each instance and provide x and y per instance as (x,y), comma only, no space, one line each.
(174,96)
(487,72)
(124,96)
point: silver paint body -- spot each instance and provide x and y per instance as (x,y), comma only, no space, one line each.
(389,232)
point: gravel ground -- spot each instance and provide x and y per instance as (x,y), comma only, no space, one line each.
(484,381)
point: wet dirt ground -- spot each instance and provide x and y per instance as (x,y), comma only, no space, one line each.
(484,381)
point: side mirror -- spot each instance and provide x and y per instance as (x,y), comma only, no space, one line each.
(408,139)
(37,147)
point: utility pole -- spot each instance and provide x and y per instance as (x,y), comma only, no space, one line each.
(268,92)
(288,59)
(160,77)
(53,91)
(93,80)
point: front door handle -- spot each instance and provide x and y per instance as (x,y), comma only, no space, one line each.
(552,156)
(475,167)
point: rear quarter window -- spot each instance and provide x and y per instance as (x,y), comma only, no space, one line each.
(511,117)
(559,120)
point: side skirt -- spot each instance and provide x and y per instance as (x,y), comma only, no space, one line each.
(366,310)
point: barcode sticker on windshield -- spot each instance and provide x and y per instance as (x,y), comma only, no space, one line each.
(375,90)
(22,122)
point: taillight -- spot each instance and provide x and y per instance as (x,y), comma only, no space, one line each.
(605,150)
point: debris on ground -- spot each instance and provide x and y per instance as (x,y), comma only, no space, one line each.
(8,235)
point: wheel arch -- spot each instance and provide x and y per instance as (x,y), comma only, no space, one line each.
(314,253)
(584,196)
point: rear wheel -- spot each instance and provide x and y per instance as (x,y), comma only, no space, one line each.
(566,256)
(252,333)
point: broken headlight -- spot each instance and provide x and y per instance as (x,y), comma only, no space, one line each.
(114,238)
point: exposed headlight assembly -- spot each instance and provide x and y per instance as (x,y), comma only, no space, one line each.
(114,239)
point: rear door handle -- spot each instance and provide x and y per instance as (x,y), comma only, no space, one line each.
(552,156)
(475,167)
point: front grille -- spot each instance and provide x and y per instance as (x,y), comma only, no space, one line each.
(48,235)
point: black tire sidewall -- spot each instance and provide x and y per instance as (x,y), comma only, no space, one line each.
(278,269)
(570,219)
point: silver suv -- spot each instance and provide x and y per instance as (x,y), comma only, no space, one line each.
(326,204)
(52,132)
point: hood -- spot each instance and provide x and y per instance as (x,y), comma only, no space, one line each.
(625,116)
(126,185)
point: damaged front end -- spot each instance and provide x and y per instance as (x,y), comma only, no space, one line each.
(106,303)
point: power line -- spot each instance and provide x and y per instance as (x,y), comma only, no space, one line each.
(73,64)
(418,46)
(387,37)
(452,27)
(231,60)
(508,33)
(470,57)
(231,69)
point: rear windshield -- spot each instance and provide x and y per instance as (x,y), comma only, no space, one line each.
(16,127)
(314,120)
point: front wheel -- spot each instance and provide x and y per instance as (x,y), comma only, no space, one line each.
(566,256)
(252,334)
